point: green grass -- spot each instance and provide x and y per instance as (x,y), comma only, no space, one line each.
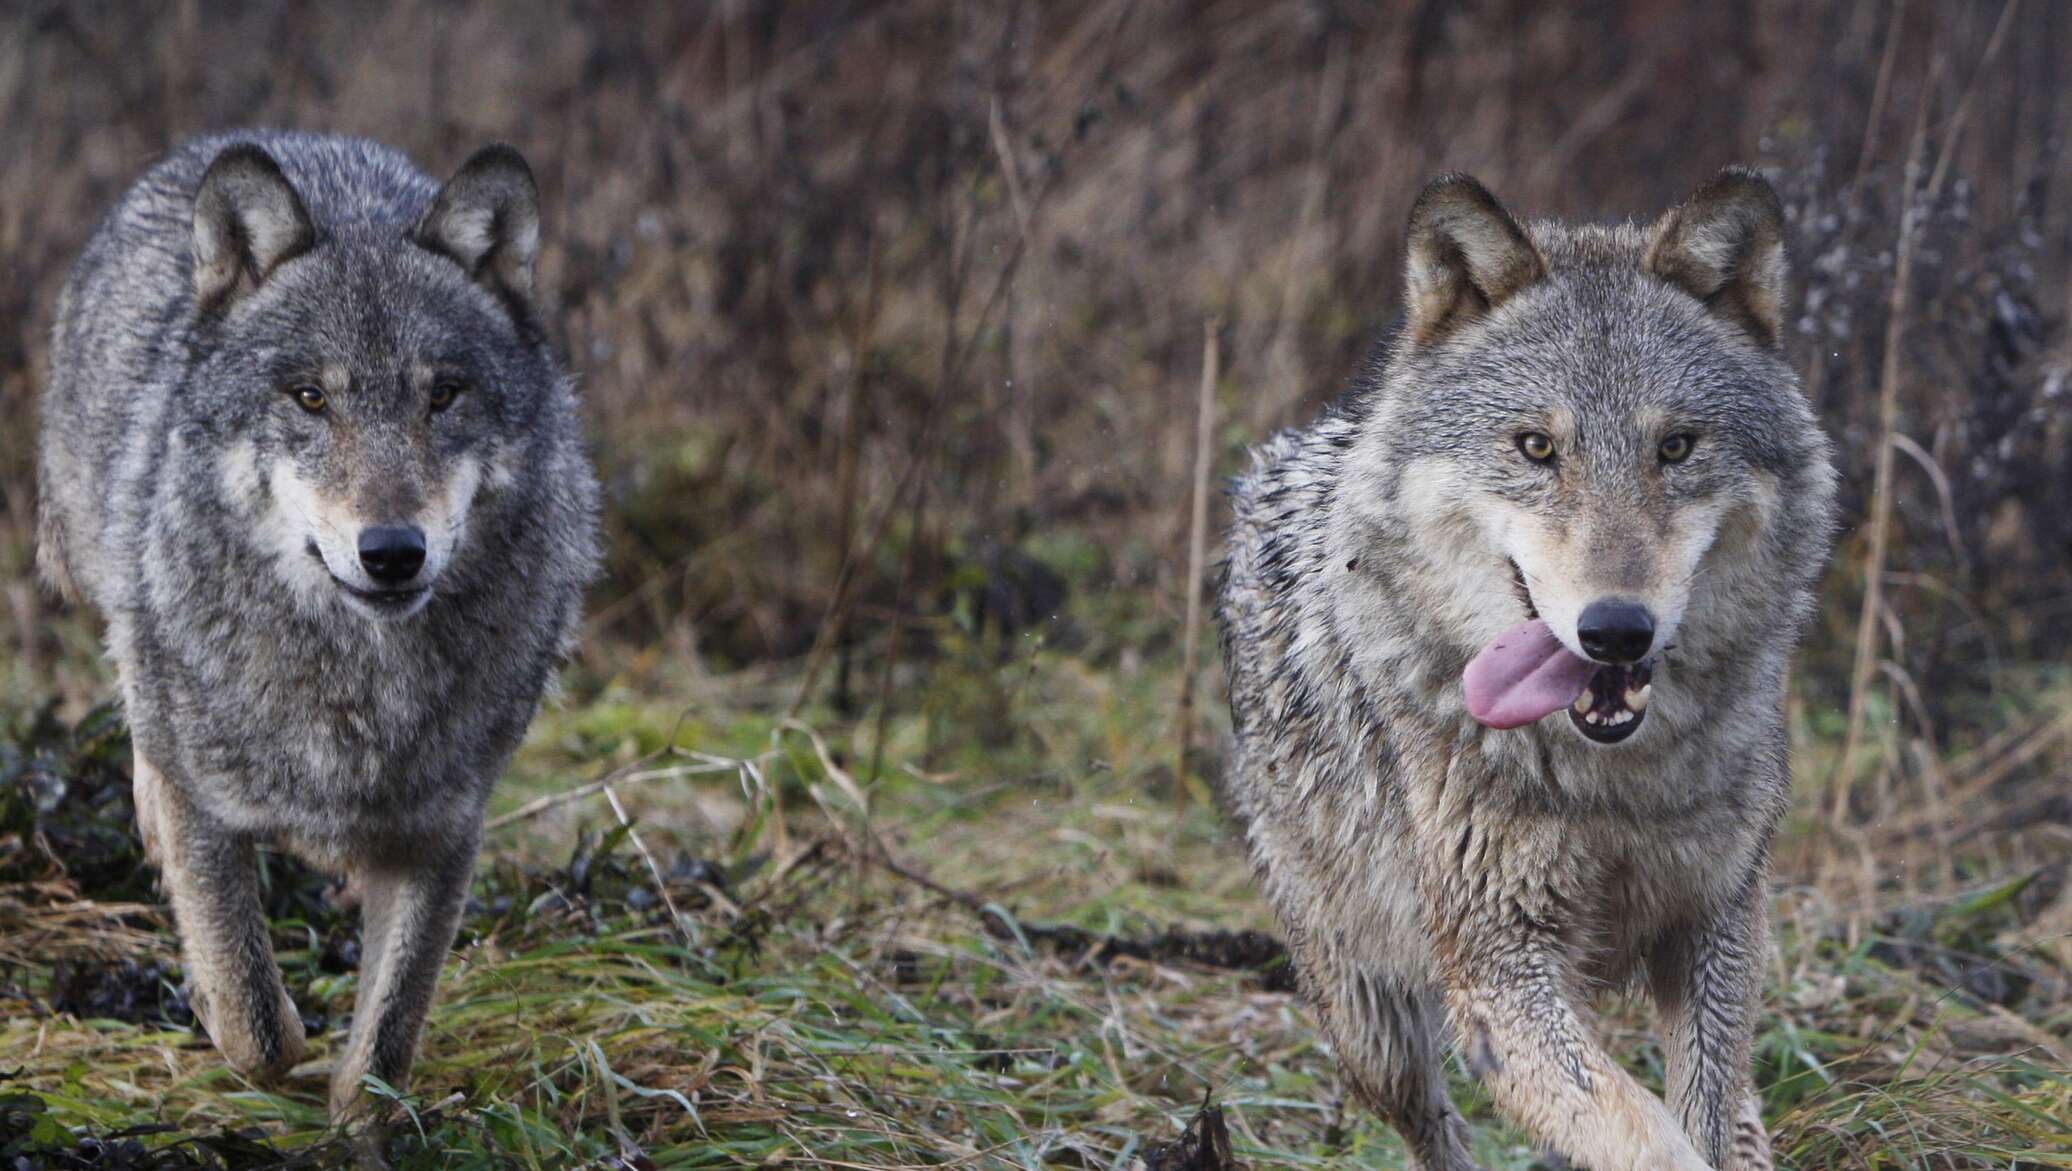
(808,1006)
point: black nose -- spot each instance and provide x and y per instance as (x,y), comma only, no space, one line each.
(1616,632)
(392,554)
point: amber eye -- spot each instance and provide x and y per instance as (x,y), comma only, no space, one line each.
(1536,447)
(311,399)
(443,395)
(1676,449)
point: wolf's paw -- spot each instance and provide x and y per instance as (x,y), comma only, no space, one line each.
(352,1106)
(147,794)
(344,893)
(369,1136)
(265,1050)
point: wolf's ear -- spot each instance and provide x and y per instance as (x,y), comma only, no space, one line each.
(487,218)
(247,220)
(1725,246)
(1465,256)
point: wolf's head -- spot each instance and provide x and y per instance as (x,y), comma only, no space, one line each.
(1584,418)
(367,382)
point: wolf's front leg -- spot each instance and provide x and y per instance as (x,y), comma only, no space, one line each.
(409,912)
(209,872)
(1706,980)
(1508,989)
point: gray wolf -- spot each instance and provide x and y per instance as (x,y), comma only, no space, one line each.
(306,450)
(1581,483)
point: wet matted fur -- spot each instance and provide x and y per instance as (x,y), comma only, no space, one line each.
(1568,414)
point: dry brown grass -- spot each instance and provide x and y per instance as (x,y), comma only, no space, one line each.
(775,236)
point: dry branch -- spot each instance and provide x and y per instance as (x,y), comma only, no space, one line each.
(1197,554)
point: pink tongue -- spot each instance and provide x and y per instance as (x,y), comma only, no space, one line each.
(1523,675)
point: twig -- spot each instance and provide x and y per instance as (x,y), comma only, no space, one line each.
(2029,748)
(1852,199)
(1228,950)
(1945,496)
(1009,171)
(1197,553)
(881,722)
(835,618)
(1879,91)
(661,883)
(538,805)
(1955,131)
(1283,359)
(1917,199)
(1860,675)
(849,458)
(835,772)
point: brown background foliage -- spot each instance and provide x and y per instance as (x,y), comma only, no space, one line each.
(920,288)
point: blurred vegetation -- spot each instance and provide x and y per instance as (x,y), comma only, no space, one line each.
(888,318)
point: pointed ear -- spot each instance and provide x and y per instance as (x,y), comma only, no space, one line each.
(1465,255)
(1725,246)
(247,221)
(487,218)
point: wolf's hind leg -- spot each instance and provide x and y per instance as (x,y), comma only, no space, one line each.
(1385,1031)
(408,917)
(211,876)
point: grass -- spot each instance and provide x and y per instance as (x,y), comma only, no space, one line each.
(859,974)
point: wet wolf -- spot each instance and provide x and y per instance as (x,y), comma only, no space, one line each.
(1581,482)
(307,451)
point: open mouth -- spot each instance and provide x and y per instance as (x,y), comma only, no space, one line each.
(1527,673)
(1614,703)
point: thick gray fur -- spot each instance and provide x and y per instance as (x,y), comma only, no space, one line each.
(1431,871)
(210,518)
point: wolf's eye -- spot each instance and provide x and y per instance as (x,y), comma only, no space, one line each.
(1536,447)
(443,395)
(1676,449)
(311,399)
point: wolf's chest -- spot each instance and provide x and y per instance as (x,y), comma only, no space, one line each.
(285,728)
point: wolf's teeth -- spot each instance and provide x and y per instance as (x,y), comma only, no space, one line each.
(1638,699)
(1584,701)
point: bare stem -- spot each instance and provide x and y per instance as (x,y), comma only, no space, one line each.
(1197,552)
(1860,677)
(1918,197)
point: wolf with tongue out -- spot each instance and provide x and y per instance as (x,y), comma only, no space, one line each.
(1580,479)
